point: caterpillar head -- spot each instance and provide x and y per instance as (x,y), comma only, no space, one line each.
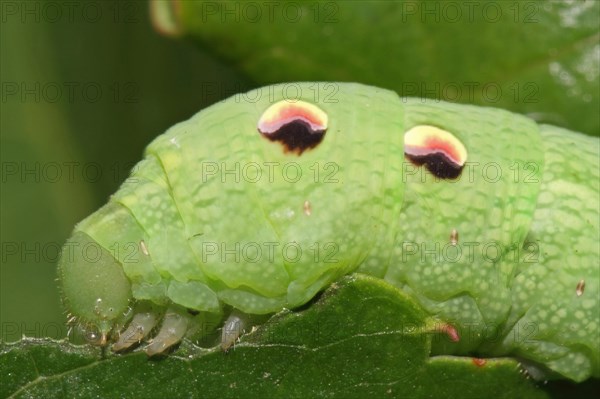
(95,290)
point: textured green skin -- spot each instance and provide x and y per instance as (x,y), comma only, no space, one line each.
(376,205)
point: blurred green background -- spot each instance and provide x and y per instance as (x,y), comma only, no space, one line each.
(86,85)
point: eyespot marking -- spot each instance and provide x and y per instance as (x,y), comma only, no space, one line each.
(439,150)
(580,287)
(298,126)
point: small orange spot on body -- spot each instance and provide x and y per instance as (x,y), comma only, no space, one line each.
(450,331)
(307,208)
(478,362)
(454,237)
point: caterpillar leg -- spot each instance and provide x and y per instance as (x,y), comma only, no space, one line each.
(138,329)
(177,323)
(174,326)
(232,329)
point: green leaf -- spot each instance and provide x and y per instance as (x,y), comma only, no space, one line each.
(361,338)
(537,57)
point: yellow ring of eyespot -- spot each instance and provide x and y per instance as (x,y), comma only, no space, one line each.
(424,140)
(284,111)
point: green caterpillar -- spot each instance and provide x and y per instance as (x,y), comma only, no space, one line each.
(261,201)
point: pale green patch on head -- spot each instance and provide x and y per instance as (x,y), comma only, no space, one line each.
(96,291)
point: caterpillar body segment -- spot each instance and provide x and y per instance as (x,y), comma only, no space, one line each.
(259,202)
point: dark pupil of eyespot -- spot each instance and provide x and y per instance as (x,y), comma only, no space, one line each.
(296,136)
(438,164)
